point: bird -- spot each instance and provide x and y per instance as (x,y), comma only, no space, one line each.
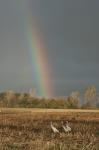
(55,130)
(66,128)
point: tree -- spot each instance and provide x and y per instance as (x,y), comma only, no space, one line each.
(75,95)
(72,103)
(90,95)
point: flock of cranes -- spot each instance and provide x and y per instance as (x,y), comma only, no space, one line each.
(65,127)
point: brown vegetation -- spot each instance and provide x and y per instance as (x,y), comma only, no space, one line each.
(29,129)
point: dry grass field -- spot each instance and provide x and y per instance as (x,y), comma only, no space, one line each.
(29,129)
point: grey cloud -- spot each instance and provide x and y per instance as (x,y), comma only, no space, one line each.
(70,30)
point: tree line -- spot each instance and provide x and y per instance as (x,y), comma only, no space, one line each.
(89,99)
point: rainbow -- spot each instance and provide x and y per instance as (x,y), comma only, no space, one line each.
(38,56)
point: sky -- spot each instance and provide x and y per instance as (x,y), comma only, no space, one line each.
(70,33)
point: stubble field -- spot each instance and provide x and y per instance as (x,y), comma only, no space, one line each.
(30,129)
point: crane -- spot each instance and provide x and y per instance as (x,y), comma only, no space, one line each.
(66,128)
(55,130)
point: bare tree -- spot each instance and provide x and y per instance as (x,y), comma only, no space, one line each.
(90,95)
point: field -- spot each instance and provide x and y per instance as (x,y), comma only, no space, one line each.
(29,129)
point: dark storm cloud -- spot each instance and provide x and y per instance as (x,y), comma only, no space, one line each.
(70,26)
(70,29)
(15,72)
(71,32)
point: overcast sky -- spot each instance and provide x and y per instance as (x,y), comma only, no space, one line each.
(70,30)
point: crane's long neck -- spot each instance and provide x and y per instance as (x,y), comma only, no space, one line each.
(51,124)
(67,124)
